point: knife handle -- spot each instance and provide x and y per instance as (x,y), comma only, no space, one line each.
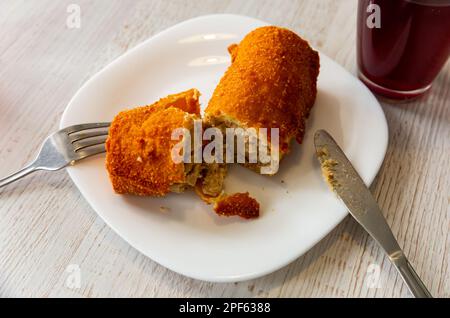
(409,275)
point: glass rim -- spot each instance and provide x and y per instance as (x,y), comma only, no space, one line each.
(436,3)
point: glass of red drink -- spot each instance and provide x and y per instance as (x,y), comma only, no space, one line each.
(402,45)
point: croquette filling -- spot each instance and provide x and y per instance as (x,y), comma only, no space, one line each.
(213,178)
(207,178)
(222,123)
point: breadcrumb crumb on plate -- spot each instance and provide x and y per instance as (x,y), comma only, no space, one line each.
(240,204)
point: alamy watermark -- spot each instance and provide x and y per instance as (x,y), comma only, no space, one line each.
(374,19)
(73,20)
(73,280)
(373,276)
(250,145)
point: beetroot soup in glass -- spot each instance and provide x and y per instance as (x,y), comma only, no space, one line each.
(402,45)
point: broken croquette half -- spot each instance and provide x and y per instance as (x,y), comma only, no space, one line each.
(240,204)
(271,83)
(138,148)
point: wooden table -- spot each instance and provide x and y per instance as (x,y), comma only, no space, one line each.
(48,231)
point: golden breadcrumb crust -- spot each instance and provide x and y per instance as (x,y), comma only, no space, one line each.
(271,83)
(138,149)
(240,204)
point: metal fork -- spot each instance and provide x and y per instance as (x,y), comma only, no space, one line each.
(65,147)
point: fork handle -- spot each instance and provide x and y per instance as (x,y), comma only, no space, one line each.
(19,174)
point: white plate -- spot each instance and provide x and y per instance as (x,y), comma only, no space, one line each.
(189,238)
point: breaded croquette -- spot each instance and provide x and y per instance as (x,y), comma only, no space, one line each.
(271,83)
(139,146)
(139,150)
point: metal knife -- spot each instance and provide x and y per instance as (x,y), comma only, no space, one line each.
(348,185)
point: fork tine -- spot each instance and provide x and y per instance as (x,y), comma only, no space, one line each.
(74,137)
(89,142)
(77,128)
(90,151)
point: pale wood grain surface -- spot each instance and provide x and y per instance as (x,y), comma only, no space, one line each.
(46,225)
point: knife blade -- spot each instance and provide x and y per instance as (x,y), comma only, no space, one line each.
(345,181)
